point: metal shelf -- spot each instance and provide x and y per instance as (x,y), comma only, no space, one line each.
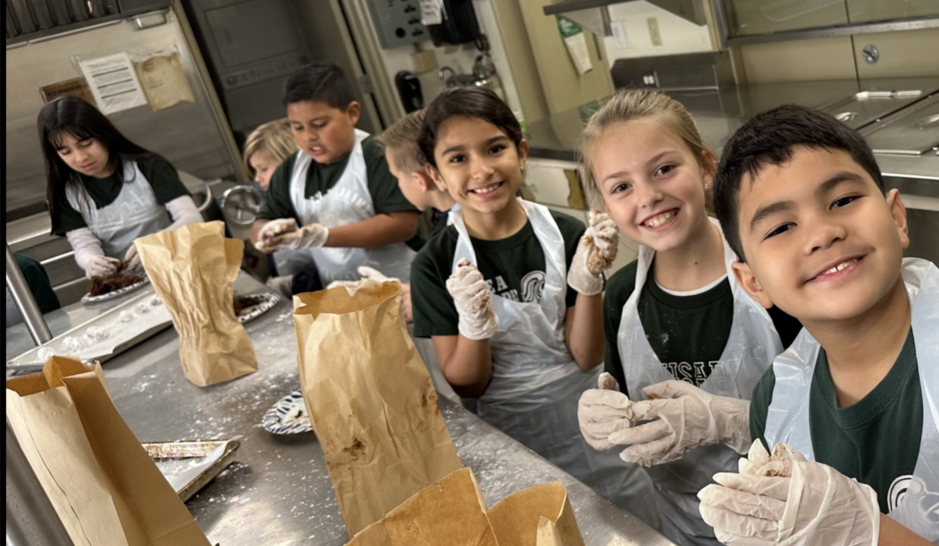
(594,15)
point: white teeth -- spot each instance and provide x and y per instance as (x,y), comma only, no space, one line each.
(487,189)
(659,220)
(840,267)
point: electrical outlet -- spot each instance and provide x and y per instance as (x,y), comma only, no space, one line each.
(654,33)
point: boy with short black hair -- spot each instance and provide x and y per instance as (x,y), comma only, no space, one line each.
(335,197)
(801,200)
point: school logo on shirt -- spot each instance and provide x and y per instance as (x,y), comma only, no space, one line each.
(918,502)
(532,287)
(695,373)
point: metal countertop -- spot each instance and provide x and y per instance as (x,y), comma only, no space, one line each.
(278,490)
(718,113)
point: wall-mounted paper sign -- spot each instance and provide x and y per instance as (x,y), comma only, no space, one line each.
(113,83)
(77,87)
(164,81)
(576,44)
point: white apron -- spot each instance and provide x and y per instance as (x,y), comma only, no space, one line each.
(751,347)
(347,202)
(134,213)
(787,420)
(536,384)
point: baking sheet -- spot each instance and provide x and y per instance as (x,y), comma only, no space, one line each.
(88,298)
(190,466)
(125,325)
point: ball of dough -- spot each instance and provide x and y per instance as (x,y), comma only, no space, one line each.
(126,316)
(46,353)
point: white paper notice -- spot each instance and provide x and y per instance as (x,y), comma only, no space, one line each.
(431,13)
(114,83)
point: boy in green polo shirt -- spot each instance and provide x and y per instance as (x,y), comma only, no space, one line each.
(801,200)
(335,199)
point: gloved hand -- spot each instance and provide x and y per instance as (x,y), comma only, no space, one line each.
(375,275)
(789,501)
(132,259)
(595,254)
(603,411)
(98,266)
(471,297)
(283,234)
(682,417)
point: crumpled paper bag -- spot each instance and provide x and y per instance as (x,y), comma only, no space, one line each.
(451,512)
(192,269)
(537,516)
(99,479)
(370,399)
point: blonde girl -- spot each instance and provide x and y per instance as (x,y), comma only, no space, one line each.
(266,148)
(679,330)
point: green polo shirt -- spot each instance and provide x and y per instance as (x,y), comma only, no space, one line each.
(687,333)
(514,268)
(875,440)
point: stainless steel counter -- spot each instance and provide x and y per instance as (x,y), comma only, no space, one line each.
(720,113)
(278,491)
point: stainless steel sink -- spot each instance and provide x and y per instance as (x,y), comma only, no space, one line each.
(866,107)
(911,131)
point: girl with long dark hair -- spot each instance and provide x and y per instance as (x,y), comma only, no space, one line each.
(103,191)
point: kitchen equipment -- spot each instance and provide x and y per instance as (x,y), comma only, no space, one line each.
(397,22)
(450,22)
(689,71)
(190,466)
(250,48)
(912,131)
(127,324)
(861,109)
(409,89)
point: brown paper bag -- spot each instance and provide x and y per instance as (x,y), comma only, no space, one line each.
(370,399)
(192,269)
(451,512)
(100,480)
(537,516)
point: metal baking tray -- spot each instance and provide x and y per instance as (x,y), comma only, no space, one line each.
(123,335)
(866,107)
(911,131)
(169,452)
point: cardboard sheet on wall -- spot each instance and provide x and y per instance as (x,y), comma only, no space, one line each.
(77,87)
(164,81)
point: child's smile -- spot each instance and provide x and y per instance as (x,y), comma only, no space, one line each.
(820,237)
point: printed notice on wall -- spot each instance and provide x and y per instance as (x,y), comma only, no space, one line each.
(576,44)
(164,81)
(114,83)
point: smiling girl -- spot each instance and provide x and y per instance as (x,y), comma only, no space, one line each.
(103,191)
(678,328)
(506,295)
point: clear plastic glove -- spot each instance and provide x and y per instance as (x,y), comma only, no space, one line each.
(471,296)
(99,266)
(790,501)
(682,417)
(273,230)
(603,411)
(309,236)
(132,259)
(595,254)
(375,275)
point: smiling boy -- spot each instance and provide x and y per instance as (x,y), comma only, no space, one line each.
(335,197)
(802,202)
